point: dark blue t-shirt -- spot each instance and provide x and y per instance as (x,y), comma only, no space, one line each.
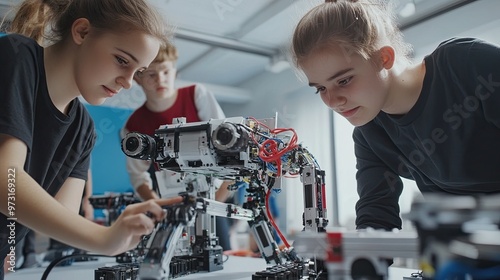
(59,145)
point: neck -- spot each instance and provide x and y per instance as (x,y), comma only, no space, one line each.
(161,104)
(404,90)
(60,76)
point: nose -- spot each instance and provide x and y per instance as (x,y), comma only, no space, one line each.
(161,77)
(334,100)
(126,80)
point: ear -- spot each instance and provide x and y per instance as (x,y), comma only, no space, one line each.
(79,30)
(387,57)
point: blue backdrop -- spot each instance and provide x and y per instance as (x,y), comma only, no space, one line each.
(108,161)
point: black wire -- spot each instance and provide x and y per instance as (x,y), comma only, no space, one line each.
(254,132)
(57,261)
(319,274)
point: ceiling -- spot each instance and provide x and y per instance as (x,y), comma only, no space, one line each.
(226,43)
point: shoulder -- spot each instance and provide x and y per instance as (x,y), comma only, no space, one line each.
(456,43)
(197,90)
(464,42)
(200,87)
(15,45)
(20,55)
(464,57)
(201,90)
(460,48)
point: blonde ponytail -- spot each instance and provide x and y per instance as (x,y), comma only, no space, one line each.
(51,20)
(31,19)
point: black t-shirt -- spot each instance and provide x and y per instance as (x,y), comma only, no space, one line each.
(59,145)
(449,142)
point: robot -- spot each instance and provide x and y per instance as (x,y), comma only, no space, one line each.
(240,149)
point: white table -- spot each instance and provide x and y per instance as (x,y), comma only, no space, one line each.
(235,268)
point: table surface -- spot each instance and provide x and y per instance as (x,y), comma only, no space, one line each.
(235,268)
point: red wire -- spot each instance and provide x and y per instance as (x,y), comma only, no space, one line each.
(271,220)
(258,122)
(269,151)
(253,134)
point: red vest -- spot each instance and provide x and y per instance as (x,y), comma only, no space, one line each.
(144,121)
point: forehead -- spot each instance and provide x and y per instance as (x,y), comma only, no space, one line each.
(161,66)
(140,45)
(321,63)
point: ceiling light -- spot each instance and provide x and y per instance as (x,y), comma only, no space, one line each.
(277,64)
(408,10)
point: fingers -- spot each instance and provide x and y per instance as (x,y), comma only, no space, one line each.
(139,224)
(169,201)
(149,206)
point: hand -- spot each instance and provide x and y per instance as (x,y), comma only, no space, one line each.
(126,232)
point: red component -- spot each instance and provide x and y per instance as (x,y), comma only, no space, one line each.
(334,251)
(323,196)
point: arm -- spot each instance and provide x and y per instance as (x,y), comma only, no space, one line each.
(223,193)
(145,192)
(70,194)
(36,209)
(87,208)
(379,189)
(139,176)
(206,104)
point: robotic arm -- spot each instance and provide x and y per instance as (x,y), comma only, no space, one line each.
(240,149)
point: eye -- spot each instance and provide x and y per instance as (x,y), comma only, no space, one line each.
(345,81)
(319,90)
(121,61)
